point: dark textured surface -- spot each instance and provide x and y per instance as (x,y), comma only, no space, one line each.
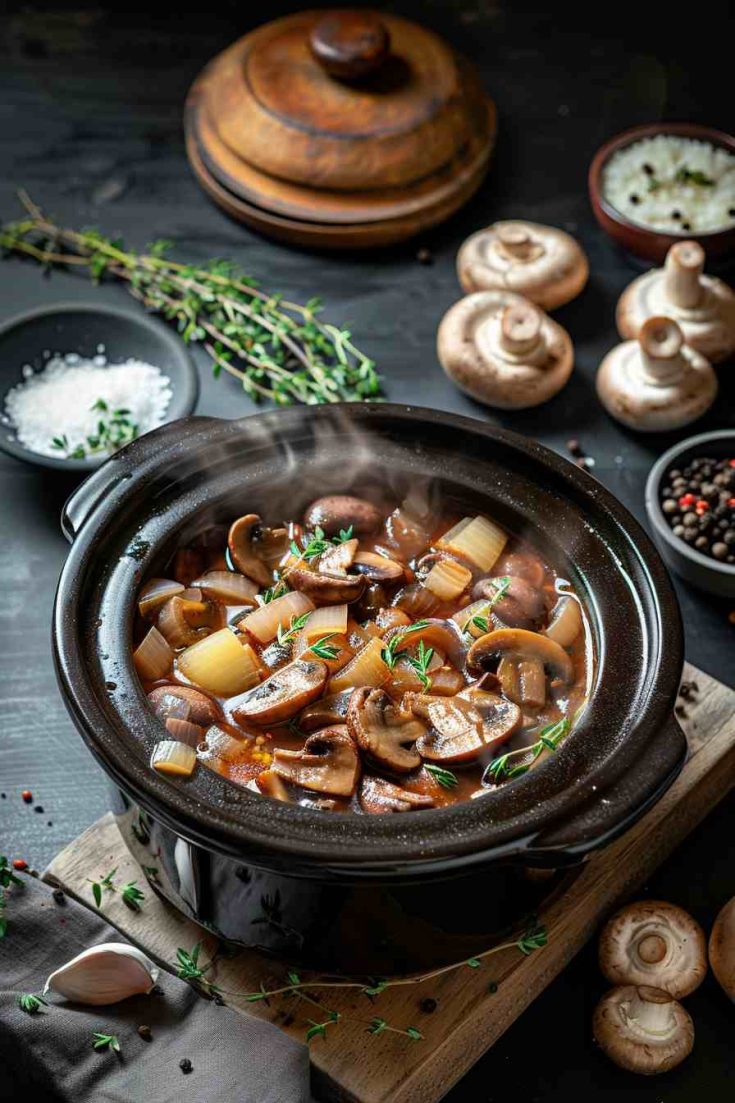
(90,104)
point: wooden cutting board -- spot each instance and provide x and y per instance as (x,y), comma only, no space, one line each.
(473,1006)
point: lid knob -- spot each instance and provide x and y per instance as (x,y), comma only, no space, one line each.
(349,44)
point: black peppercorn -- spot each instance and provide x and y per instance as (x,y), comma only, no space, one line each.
(185,1065)
(428,1005)
(145,1033)
(635,199)
(648,169)
(59,897)
(676,215)
(686,225)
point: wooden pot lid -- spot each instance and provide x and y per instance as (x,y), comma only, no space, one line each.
(340,119)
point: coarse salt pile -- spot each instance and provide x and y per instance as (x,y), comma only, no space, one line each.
(670,183)
(63,399)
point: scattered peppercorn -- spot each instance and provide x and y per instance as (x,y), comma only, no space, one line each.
(425,256)
(676,215)
(20,864)
(27,796)
(59,897)
(145,1033)
(38,808)
(492,987)
(428,1005)
(686,225)
(699,505)
(185,1065)
(648,169)
(3,795)
(635,199)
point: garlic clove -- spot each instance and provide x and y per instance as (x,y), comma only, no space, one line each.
(104,974)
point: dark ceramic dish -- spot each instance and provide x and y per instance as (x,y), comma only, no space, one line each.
(81,328)
(653,245)
(701,570)
(377,894)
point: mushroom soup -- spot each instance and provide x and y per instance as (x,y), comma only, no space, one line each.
(361,659)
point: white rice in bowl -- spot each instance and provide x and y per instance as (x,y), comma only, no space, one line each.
(679,185)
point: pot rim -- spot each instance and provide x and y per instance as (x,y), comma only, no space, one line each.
(303,841)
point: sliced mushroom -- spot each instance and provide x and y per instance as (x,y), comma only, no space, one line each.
(283,694)
(201,709)
(271,785)
(327,763)
(339,512)
(183,621)
(378,796)
(384,730)
(462,726)
(327,589)
(566,621)
(525,645)
(379,568)
(520,605)
(326,712)
(643,1029)
(444,636)
(338,558)
(252,545)
(722,949)
(656,944)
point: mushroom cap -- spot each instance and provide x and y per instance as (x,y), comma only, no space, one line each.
(643,1029)
(384,730)
(249,541)
(708,327)
(328,762)
(463,726)
(480,345)
(630,395)
(521,606)
(343,511)
(722,948)
(325,588)
(283,694)
(541,262)
(378,796)
(522,644)
(656,944)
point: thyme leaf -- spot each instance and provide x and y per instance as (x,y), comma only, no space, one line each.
(324,649)
(549,739)
(283,635)
(132,896)
(31,1004)
(445,778)
(106,1041)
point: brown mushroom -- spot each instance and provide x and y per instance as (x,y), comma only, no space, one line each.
(445,636)
(271,785)
(643,1029)
(327,763)
(378,568)
(541,262)
(703,306)
(378,796)
(383,730)
(200,709)
(283,694)
(254,548)
(324,588)
(520,605)
(504,351)
(462,726)
(656,944)
(525,645)
(337,559)
(722,949)
(325,712)
(340,512)
(566,621)
(656,382)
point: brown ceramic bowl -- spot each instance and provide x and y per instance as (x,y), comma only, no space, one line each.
(653,245)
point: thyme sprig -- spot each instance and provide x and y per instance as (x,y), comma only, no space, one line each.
(7,878)
(32,1005)
(445,778)
(420,663)
(323,648)
(106,1041)
(285,635)
(481,620)
(114,430)
(549,739)
(277,350)
(105,883)
(393,650)
(130,894)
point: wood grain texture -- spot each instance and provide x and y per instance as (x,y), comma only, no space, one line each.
(469,1017)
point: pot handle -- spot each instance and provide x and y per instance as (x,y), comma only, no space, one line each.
(597,824)
(88,495)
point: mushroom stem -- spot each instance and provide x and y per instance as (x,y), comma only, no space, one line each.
(682,271)
(652,1011)
(520,329)
(515,240)
(661,342)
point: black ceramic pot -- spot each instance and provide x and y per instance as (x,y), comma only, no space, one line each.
(366,894)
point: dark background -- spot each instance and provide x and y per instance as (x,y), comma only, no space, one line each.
(90,123)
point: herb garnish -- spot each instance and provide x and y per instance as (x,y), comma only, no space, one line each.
(445,778)
(312,547)
(480,620)
(324,649)
(686,175)
(106,883)
(344,536)
(106,1041)
(392,650)
(132,896)
(31,1004)
(276,349)
(549,739)
(7,878)
(284,635)
(420,663)
(276,590)
(114,430)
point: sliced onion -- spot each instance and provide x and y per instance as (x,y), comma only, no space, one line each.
(476,539)
(366,669)
(156,593)
(263,623)
(221,663)
(463,619)
(228,586)
(153,657)
(566,622)
(448,579)
(417,601)
(174,759)
(329,618)
(405,677)
(183,731)
(173,622)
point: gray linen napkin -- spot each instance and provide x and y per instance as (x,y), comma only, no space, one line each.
(49,1056)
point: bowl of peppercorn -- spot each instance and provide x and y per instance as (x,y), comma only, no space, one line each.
(690,500)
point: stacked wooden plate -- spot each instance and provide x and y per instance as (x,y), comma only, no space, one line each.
(339,129)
